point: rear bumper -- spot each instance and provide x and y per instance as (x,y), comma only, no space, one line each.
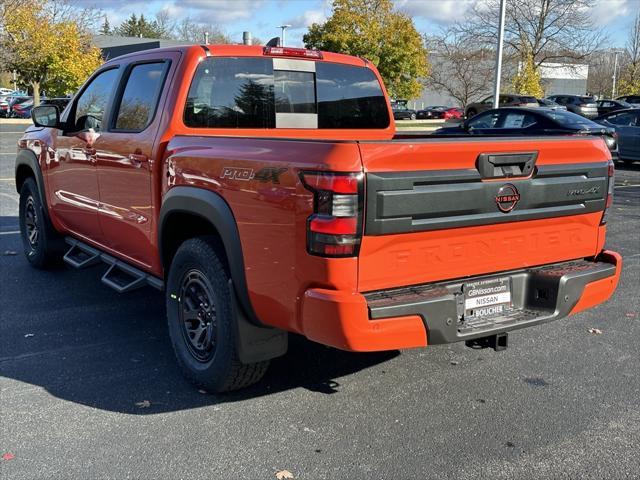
(434,314)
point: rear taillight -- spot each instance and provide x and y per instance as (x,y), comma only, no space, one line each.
(335,228)
(610,185)
(612,141)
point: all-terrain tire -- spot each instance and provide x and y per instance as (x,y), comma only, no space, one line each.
(42,245)
(201,320)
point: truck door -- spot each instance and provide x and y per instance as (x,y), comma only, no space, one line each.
(71,176)
(125,160)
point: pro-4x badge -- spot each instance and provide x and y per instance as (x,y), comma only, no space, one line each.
(507,198)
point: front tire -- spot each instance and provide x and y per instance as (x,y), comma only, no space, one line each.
(41,243)
(202,325)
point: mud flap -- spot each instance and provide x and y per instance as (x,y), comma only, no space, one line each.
(253,343)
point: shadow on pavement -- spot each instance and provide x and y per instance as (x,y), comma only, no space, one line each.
(65,332)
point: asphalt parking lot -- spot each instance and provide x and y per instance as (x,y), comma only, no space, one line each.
(89,388)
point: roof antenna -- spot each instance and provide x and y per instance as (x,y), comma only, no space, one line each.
(274,42)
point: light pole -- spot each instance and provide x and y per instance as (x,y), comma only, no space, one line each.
(284,33)
(496,91)
(615,69)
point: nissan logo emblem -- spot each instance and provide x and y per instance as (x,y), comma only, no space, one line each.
(507,198)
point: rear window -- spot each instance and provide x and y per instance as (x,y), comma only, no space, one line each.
(229,92)
(571,119)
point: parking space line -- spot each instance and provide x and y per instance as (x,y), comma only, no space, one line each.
(11,232)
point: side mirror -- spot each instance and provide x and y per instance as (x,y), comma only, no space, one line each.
(46,116)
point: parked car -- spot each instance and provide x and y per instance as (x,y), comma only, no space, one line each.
(4,108)
(11,101)
(627,126)
(22,109)
(546,103)
(506,100)
(580,104)
(388,241)
(606,106)
(435,111)
(60,102)
(632,99)
(5,91)
(531,121)
(453,113)
(402,112)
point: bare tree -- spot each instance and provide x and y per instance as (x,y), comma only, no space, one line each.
(552,30)
(193,32)
(165,25)
(630,72)
(458,67)
(601,65)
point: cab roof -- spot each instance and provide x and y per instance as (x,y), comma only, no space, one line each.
(215,50)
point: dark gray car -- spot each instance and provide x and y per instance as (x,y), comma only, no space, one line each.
(506,100)
(627,126)
(580,104)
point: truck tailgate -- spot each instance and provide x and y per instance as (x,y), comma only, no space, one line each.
(445,208)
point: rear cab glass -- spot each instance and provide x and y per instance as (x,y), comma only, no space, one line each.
(251,92)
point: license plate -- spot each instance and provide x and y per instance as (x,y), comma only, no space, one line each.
(487,297)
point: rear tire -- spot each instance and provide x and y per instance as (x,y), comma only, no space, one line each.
(41,243)
(201,321)
(471,113)
(413,116)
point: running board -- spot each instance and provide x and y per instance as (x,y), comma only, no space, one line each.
(81,255)
(120,276)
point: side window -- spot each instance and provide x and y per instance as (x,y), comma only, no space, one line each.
(231,92)
(140,97)
(484,120)
(623,119)
(90,106)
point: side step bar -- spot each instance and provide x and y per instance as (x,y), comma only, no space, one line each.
(120,276)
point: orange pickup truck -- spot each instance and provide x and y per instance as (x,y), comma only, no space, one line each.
(266,191)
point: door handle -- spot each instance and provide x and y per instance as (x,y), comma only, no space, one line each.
(137,158)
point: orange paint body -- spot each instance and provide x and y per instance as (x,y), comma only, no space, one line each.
(111,198)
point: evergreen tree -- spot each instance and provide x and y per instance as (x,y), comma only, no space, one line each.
(140,27)
(105,29)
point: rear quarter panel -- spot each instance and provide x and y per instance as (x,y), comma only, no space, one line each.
(259,180)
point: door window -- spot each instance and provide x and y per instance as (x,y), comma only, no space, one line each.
(487,120)
(626,119)
(90,106)
(140,97)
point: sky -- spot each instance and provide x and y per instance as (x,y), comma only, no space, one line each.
(262,17)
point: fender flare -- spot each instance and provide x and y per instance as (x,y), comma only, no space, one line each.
(26,158)
(215,210)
